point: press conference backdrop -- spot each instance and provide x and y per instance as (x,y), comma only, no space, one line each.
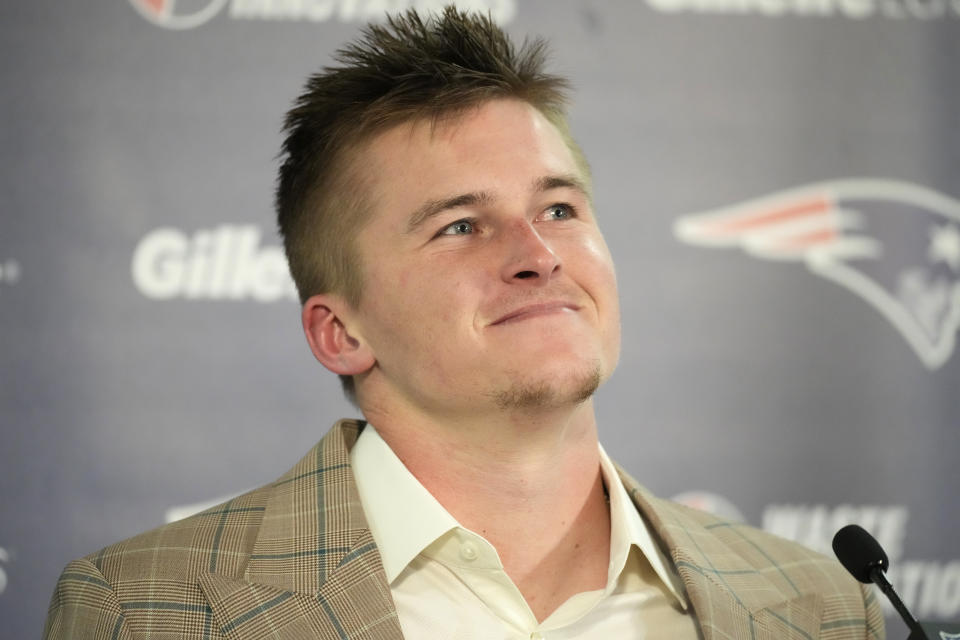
(778,181)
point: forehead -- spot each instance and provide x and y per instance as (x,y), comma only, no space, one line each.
(500,146)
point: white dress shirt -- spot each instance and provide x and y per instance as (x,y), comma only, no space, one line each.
(448,582)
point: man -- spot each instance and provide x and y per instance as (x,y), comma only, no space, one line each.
(438,221)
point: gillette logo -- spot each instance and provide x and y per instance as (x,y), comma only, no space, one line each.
(925,10)
(226,263)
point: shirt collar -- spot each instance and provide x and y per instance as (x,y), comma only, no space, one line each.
(405,518)
(628,528)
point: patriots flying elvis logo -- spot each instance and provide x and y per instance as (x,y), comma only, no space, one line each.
(894,244)
(178,14)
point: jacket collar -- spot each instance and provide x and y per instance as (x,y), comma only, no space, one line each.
(314,570)
(730,597)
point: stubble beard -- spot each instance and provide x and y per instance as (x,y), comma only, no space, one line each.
(547,394)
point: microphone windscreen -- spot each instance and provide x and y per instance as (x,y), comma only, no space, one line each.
(859,552)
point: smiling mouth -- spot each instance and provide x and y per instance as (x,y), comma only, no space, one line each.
(536,311)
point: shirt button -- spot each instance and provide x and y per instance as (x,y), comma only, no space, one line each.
(536,636)
(468,551)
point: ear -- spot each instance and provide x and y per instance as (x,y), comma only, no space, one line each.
(331,342)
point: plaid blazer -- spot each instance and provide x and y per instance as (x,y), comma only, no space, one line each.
(295,560)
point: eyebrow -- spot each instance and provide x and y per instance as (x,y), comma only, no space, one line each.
(434,208)
(564,181)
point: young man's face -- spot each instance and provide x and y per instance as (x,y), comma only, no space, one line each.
(487,282)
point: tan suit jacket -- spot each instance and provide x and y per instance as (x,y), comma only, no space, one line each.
(296,560)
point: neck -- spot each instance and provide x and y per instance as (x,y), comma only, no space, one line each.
(509,472)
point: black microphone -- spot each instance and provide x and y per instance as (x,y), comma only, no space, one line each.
(861,555)
(866,560)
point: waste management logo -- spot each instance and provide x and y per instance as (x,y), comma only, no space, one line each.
(894,244)
(225,263)
(187,14)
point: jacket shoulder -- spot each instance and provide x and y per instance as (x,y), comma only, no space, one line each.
(787,563)
(848,608)
(84,605)
(219,539)
(150,581)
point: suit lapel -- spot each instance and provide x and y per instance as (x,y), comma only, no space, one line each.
(731,597)
(314,570)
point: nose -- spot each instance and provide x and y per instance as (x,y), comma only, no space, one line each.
(529,258)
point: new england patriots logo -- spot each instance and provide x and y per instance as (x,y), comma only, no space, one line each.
(894,244)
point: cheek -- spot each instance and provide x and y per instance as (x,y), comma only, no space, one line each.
(600,265)
(602,287)
(421,305)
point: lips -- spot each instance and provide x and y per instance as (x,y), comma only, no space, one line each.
(535,310)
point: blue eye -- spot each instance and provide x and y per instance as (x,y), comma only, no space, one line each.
(458,228)
(560,212)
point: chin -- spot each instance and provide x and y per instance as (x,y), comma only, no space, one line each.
(553,392)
